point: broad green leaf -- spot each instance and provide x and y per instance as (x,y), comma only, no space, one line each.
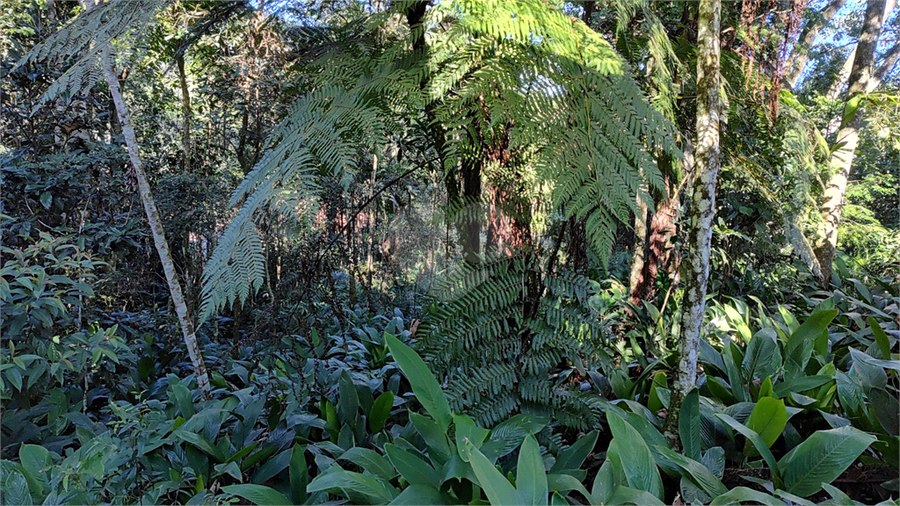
(696,472)
(435,438)
(838,496)
(201,443)
(763,357)
(413,469)
(800,345)
(794,498)
(498,490)
(881,338)
(415,495)
(426,388)
(859,356)
(531,478)
(573,456)
(760,445)
(604,483)
(654,403)
(299,474)
(370,461)
(821,458)
(466,430)
(381,411)
(565,483)
(348,401)
(258,494)
(15,489)
(628,495)
(798,384)
(272,467)
(357,487)
(735,378)
(886,408)
(738,495)
(768,419)
(633,454)
(689,425)
(36,460)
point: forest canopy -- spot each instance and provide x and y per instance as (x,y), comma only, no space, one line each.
(450,252)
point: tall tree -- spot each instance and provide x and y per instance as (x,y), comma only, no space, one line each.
(87,39)
(700,216)
(848,137)
(156,226)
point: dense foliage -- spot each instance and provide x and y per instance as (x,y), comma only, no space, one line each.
(432,252)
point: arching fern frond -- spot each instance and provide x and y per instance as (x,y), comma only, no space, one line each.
(86,38)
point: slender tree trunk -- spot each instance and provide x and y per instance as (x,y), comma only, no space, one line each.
(847,68)
(812,29)
(185,111)
(156,227)
(703,206)
(848,137)
(637,283)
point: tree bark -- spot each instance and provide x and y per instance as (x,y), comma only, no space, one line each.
(703,205)
(848,137)
(807,37)
(185,111)
(847,68)
(156,227)
(637,283)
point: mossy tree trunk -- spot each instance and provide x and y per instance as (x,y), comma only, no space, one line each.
(703,204)
(847,138)
(156,227)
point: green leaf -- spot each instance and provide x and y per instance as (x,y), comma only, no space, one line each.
(738,495)
(272,467)
(531,478)
(357,487)
(628,495)
(695,472)
(633,455)
(370,461)
(381,411)
(299,474)
(435,438)
(763,357)
(498,490)
(821,458)
(257,494)
(565,483)
(799,346)
(760,445)
(886,408)
(798,384)
(426,388)
(573,456)
(768,419)
(413,469)
(36,461)
(689,425)
(415,495)
(348,402)
(466,430)
(654,403)
(881,338)
(15,489)
(851,107)
(201,443)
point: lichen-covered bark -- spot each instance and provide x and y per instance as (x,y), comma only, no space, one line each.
(703,203)
(848,138)
(156,227)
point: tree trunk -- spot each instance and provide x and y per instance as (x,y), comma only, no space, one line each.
(185,111)
(637,283)
(847,68)
(156,227)
(703,205)
(848,137)
(798,62)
